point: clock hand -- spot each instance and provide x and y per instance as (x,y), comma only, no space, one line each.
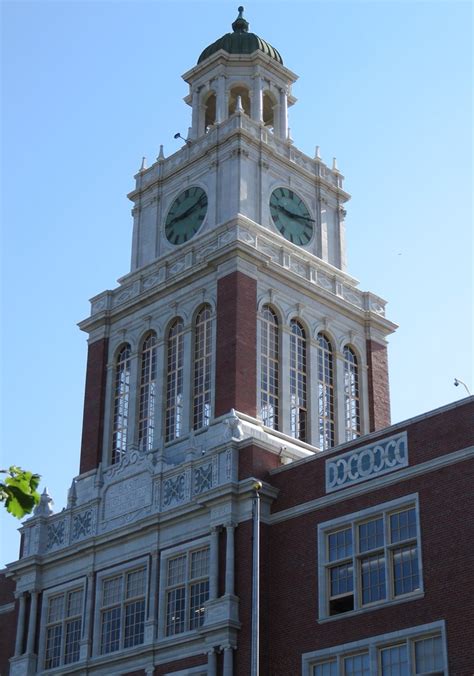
(293,215)
(186,213)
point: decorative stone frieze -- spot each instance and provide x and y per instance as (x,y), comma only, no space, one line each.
(367,462)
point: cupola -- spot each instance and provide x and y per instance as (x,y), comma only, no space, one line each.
(240,72)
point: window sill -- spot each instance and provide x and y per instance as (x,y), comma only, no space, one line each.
(373,607)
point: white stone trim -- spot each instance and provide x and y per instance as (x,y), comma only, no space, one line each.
(7,608)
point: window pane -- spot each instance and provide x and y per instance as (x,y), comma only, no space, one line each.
(136,583)
(199,595)
(147,394)
(74,603)
(134,623)
(55,610)
(73,638)
(269,368)
(351,394)
(342,579)
(177,570)
(121,402)
(325,392)
(395,661)
(405,570)
(53,647)
(371,535)
(175,609)
(202,369)
(429,655)
(340,544)
(200,563)
(403,525)
(326,669)
(110,638)
(174,381)
(373,579)
(357,665)
(297,381)
(112,591)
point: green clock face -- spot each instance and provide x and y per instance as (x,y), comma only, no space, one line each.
(291,217)
(186,215)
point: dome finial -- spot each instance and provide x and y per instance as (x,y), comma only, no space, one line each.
(240,25)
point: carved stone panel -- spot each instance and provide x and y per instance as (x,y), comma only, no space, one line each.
(128,496)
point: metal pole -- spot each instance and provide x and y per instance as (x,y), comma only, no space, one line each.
(255,653)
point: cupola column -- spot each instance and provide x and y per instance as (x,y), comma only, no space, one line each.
(257,104)
(283,115)
(195,114)
(221,103)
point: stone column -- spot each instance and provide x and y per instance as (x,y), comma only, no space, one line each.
(228,660)
(283,115)
(229,559)
(214,563)
(160,403)
(86,636)
(134,389)
(285,398)
(339,399)
(153,599)
(30,646)
(221,109)
(20,625)
(211,662)
(195,114)
(257,104)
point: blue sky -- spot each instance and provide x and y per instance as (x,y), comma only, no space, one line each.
(90,87)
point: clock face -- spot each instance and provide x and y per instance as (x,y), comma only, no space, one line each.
(291,217)
(186,215)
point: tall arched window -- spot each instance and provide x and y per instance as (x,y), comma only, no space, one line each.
(174,381)
(202,369)
(121,402)
(147,395)
(325,392)
(351,394)
(269,368)
(298,407)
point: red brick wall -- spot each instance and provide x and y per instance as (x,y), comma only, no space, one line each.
(94,400)
(379,392)
(187,663)
(8,623)
(256,462)
(236,359)
(243,589)
(429,437)
(445,500)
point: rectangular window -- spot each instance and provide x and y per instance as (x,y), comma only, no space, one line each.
(369,558)
(63,628)
(187,590)
(122,614)
(418,651)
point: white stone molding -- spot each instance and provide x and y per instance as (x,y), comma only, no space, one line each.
(20,624)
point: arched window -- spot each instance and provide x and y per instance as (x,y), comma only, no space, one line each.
(298,409)
(202,369)
(269,368)
(121,402)
(174,381)
(351,394)
(325,392)
(147,395)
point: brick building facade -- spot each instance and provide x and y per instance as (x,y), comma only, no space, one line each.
(237,436)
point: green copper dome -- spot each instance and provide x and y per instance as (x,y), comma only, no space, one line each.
(241,42)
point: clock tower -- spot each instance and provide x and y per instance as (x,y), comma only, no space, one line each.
(237,343)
